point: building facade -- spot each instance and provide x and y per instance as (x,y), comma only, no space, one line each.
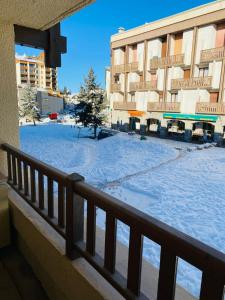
(171,72)
(32,70)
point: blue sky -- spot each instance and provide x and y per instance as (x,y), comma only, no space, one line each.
(88,33)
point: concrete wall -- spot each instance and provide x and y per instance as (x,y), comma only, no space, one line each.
(8,95)
(44,249)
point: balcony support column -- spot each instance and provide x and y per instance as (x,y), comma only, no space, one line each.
(222,82)
(9,123)
(166,68)
(188,132)
(193,52)
(218,134)
(163,131)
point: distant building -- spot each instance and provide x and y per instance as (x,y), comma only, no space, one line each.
(31,70)
(171,71)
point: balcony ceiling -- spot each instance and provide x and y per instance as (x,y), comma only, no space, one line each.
(39,14)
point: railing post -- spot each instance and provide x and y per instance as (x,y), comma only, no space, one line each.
(74,216)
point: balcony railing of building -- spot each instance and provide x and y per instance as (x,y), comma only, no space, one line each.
(130,67)
(192,83)
(29,177)
(163,106)
(168,61)
(143,86)
(116,88)
(210,108)
(210,55)
(120,105)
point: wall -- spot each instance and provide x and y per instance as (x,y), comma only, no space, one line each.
(8,94)
(49,104)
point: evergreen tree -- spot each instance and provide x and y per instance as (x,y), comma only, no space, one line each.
(28,106)
(91,103)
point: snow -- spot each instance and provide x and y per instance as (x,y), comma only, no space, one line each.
(183,188)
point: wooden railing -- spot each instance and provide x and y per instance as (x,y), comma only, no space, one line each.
(29,177)
(168,61)
(191,83)
(130,67)
(119,105)
(164,106)
(116,88)
(118,69)
(143,86)
(210,55)
(210,108)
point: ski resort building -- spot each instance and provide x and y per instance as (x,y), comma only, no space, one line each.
(168,75)
(32,70)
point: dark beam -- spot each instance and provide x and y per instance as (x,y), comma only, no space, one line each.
(49,40)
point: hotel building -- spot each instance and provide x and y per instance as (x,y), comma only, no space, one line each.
(31,70)
(171,71)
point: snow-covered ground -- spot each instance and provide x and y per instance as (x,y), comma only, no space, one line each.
(183,189)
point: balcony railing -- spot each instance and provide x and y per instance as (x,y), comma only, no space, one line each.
(210,108)
(164,106)
(124,105)
(192,83)
(27,176)
(143,86)
(116,88)
(168,61)
(116,69)
(131,67)
(210,55)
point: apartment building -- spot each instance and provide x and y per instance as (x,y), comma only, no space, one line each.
(32,70)
(171,72)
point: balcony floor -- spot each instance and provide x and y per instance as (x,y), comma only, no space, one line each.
(17,280)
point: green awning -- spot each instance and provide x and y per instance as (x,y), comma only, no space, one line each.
(190,117)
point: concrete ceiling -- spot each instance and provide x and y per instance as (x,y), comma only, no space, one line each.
(38,14)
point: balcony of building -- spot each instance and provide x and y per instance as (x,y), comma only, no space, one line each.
(192,83)
(163,107)
(125,68)
(210,108)
(143,86)
(116,88)
(122,105)
(52,214)
(210,55)
(168,61)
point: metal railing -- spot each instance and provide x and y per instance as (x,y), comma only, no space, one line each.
(119,105)
(210,55)
(164,106)
(191,83)
(143,86)
(168,61)
(210,108)
(27,176)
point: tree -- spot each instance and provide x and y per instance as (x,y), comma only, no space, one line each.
(91,103)
(28,106)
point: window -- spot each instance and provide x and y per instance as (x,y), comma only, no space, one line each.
(174,97)
(203,72)
(116,78)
